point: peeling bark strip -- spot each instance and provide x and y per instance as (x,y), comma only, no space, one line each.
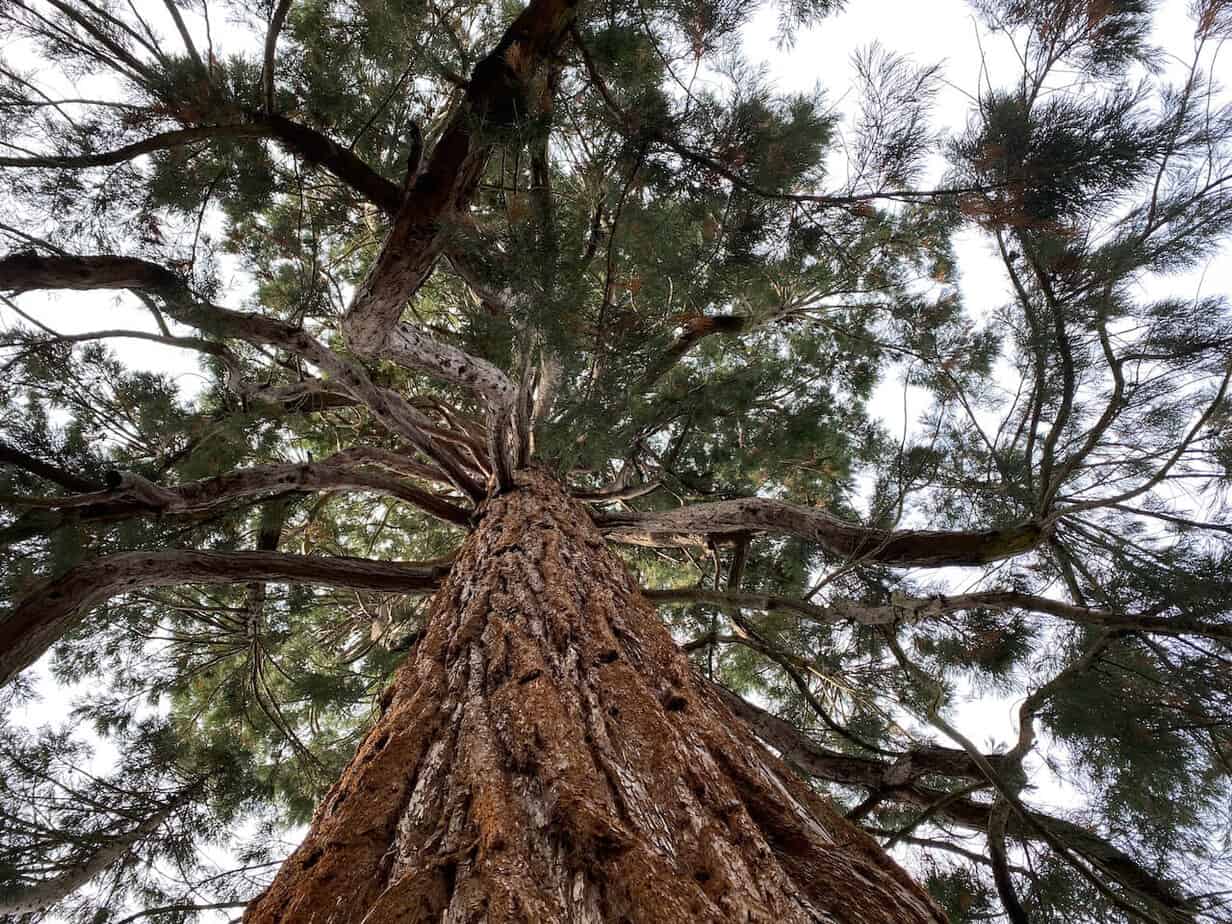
(925,548)
(53,607)
(548,756)
(409,347)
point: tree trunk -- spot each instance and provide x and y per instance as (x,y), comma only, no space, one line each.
(547,755)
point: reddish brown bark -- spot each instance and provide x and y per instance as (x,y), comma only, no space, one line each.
(548,756)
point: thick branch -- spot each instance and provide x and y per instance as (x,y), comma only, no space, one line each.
(135,496)
(915,609)
(43,895)
(333,474)
(448,180)
(24,272)
(997,820)
(53,607)
(900,780)
(771,603)
(271,46)
(803,752)
(922,607)
(693,330)
(10,455)
(926,548)
(321,151)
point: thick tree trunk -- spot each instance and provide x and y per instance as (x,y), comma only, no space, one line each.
(547,755)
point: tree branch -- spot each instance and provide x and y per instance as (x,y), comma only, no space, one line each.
(53,607)
(928,548)
(136,496)
(42,895)
(321,151)
(271,45)
(10,455)
(771,603)
(160,142)
(451,174)
(24,272)
(900,779)
(185,37)
(997,819)
(314,147)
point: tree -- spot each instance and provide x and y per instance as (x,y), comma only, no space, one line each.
(516,544)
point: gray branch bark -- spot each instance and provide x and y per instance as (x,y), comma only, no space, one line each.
(925,548)
(49,610)
(24,272)
(900,779)
(42,895)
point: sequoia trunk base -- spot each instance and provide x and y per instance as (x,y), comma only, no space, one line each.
(547,755)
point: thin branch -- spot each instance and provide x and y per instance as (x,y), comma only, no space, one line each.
(271,46)
(160,142)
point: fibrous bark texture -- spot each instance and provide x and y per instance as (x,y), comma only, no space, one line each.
(547,755)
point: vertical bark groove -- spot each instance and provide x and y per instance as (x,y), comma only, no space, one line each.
(548,756)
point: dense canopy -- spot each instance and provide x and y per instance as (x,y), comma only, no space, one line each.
(413,247)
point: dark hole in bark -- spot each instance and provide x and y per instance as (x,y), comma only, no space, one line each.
(379,744)
(529,676)
(675,703)
(702,875)
(449,876)
(613,711)
(608,656)
(311,859)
